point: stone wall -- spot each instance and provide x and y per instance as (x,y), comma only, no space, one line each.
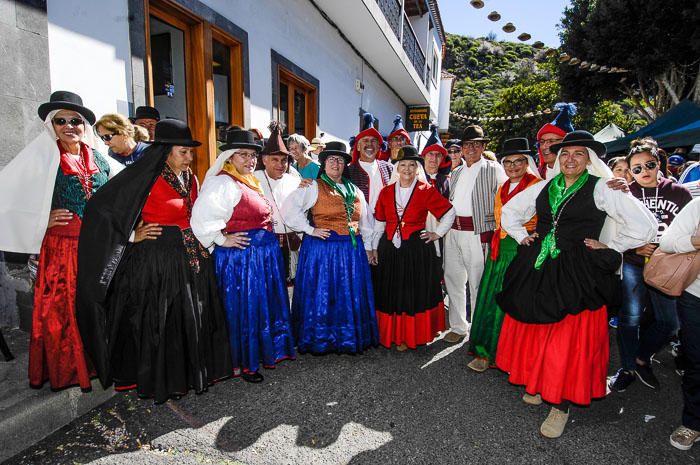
(25,79)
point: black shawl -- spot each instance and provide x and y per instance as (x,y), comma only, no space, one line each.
(109,218)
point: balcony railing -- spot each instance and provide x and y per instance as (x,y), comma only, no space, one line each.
(398,20)
(413,49)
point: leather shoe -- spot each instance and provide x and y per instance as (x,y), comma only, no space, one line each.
(252,377)
(479,365)
(453,337)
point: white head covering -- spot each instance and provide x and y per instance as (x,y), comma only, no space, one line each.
(26,189)
(531,166)
(420,175)
(597,167)
(219,163)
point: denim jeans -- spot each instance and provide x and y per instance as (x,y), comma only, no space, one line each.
(634,299)
(665,325)
(689,315)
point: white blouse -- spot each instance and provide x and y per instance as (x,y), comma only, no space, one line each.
(636,225)
(277,191)
(299,202)
(213,208)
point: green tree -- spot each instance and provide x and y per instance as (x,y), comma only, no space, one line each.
(658,42)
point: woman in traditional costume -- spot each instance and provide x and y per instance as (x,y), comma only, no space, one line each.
(554,338)
(488,317)
(408,295)
(333,304)
(233,215)
(64,171)
(162,331)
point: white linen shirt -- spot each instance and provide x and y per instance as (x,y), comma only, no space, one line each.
(638,224)
(281,189)
(375,181)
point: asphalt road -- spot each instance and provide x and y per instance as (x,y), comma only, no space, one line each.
(382,407)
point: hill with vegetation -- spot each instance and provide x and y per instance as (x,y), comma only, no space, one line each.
(501,79)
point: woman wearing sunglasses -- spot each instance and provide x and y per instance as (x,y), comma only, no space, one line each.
(45,189)
(125,141)
(664,199)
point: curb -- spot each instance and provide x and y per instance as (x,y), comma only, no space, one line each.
(28,415)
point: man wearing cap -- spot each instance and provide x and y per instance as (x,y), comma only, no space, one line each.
(553,133)
(473,187)
(366,172)
(277,183)
(454,151)
(146,117)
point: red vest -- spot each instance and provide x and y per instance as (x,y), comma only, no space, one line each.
(425,199)
(166,207)
(253,211)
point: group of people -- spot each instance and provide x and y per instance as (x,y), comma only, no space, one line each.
(151,282)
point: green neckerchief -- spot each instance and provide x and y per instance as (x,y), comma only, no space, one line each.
(348,195)
(558,194)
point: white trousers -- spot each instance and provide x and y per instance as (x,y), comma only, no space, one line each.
(464,261)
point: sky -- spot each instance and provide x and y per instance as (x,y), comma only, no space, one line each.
(539,18)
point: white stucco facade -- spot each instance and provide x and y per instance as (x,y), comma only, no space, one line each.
(90,53)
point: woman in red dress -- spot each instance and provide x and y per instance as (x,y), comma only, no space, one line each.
(408,296)
(64,172)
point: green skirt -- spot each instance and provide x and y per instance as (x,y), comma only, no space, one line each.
(488,316)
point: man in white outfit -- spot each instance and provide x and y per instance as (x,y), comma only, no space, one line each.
(278,180)
(473,187)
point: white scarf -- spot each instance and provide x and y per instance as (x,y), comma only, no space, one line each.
(26,189)
(401,197)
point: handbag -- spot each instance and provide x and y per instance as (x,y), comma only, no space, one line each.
(672,273)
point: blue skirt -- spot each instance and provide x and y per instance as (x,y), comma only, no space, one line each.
(333,304)
(254,293)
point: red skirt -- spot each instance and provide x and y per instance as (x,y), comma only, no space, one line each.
(563,361)
(55,348)
(413,330)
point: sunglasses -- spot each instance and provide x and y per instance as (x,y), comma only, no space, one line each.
(106,137)
(649,166)
(453,151)
(64,121)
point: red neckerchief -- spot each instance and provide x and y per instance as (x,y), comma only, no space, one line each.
(83,167)
(505,197)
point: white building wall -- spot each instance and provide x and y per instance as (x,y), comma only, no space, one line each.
(89,52)
(301,35)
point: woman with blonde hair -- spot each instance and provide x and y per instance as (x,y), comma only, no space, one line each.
(126,141)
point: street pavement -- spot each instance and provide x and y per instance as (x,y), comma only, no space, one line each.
(381,407)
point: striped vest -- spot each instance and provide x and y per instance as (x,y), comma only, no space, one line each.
(483,195)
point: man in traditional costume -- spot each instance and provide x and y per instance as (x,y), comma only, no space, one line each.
(277,182)
(365,171)
(473,187)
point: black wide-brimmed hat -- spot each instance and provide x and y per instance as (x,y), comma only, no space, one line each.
(583,139)
(174,132)
(238,138)
(408,152)
(474,132)
(65,100)
(335,147)
(145,112)
(515,146)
